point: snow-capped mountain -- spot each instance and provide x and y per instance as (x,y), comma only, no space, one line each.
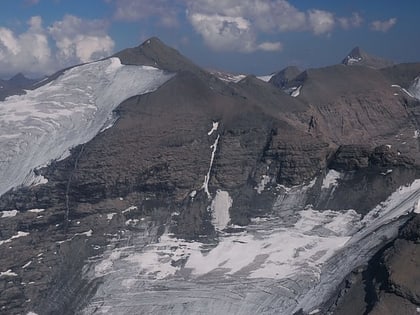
(150,186)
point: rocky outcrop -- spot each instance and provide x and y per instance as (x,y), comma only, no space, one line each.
(389,284)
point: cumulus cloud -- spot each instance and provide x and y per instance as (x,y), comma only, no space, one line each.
(136,10)
(354,21)
(383,26)
(320,21)
(80,40)
(28,51)
(217,21)
(40,50)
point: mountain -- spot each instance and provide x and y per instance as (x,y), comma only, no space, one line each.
(142,183)
(359,57)
(15,85)
(282,78)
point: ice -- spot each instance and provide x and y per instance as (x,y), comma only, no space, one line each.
(9,213)
(289,260)
(45,123)
(8,273)
(18,235)
(207,177)
(220,209)
(331,179)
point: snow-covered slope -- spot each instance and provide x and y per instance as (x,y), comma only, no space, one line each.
(279,264)
(45,123)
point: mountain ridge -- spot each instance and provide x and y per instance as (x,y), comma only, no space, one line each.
(181,160)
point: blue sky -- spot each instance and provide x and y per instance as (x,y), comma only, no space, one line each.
(38,37)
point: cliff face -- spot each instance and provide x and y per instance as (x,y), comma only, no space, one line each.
(160,167)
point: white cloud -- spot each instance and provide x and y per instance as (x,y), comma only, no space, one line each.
(221,31)
(39,50)
(79,40)
(271,46)
(137,10)
(321,22)
(27,52)
(354,21)
(383,26)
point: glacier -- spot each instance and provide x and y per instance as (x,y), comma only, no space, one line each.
(290,260)
(43,124)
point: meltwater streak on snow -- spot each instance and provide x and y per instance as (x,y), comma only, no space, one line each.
(45,123)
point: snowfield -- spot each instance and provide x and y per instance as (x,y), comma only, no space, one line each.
(45,123)
(279,264)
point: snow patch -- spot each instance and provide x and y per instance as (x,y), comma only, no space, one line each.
(220,209)
(8,273)
(9,213)
(129,209)
(18,235)
(27,264)
(263,183)
(36,210)
(386,173)
(193,194)
(416,134)
(416,208)
(296,92)
(331,179)
(109,216)
(266,78)
(214,128)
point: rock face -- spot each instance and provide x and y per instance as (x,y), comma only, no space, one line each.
(390,283)
(159,168)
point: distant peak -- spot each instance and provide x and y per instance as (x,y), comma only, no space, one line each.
(358,56)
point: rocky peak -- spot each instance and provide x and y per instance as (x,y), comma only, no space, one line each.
(358,56)
(281,78)
(153,52)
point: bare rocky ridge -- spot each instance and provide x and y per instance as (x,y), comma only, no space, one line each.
(133,177)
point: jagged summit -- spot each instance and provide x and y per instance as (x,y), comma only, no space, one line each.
(358,56)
